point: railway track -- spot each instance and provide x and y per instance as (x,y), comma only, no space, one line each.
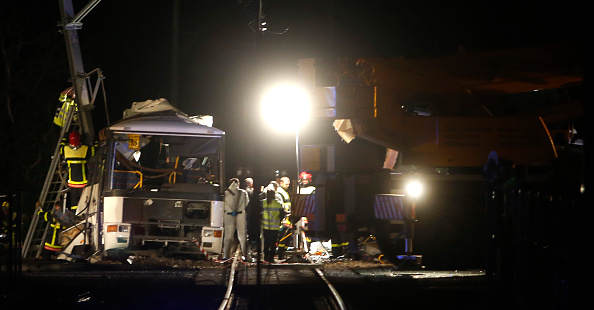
(229,296)
(286,286)
(238,285)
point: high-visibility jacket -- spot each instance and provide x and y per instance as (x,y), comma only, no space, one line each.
(271,214)
(286,199)
(77,165)
(286,205)
(52,241)
(67,104)
(8,224)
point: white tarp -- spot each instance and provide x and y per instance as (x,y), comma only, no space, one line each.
(345,129)
(149,106)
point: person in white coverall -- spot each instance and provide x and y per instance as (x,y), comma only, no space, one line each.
(236,200)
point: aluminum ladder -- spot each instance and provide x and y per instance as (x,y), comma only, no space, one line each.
(53,189)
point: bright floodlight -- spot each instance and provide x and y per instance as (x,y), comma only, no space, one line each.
(286,107)
(414,189)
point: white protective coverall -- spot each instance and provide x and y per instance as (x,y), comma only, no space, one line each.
(236,199)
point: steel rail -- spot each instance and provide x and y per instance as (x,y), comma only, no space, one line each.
(229,297)
(333,290)
(225,304)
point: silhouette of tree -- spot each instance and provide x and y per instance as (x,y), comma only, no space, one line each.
(33,72)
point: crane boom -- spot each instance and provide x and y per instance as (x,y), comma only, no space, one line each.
(70,23)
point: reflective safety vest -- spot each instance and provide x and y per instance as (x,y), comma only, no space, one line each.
(77,165)
(286,199)
(286,205)
(271,214)
(61,113)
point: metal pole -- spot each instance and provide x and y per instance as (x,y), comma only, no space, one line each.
(260,17)
(174,53)
(409,229)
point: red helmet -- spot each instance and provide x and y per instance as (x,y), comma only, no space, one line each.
(305,175)
(74,138)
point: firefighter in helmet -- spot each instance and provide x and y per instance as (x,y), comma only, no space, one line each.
(7,224)
(305,184)
(76,155)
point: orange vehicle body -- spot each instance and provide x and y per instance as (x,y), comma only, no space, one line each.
(452,111)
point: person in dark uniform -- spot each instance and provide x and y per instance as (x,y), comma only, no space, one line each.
(253,213)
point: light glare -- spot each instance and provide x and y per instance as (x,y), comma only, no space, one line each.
(286,107)
(414,189)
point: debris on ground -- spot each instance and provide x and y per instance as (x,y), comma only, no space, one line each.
(353,263)
(198,264)
(368,256)
(173,262)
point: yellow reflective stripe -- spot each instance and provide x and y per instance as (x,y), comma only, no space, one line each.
(77,161)
(269,225)
(286,199)
(271,215)
(83,170)
(56,226)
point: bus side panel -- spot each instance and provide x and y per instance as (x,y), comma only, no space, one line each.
(216,214)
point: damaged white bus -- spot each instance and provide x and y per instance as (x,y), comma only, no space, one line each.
(156,188)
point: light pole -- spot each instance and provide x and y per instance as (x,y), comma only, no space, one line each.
(297,154)
(414,190)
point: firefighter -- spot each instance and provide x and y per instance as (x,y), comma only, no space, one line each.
(305,184)
(7,224)
(285,231)
(236,200)
(52,242)
(67,99)
(76,154)
(283,189)
(339,236)
(272,213)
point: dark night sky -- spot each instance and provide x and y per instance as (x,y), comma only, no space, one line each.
(131,40)
(221,60)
